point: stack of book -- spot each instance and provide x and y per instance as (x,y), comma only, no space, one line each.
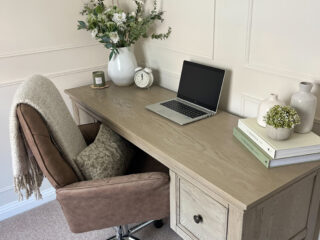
(298,149)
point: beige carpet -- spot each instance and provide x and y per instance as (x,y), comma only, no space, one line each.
(48,223)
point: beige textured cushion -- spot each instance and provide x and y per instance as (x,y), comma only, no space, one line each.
(108,156)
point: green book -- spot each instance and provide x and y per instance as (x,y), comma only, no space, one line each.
(252,147)
(265,159)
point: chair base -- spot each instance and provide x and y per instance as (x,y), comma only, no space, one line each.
(124,238)
(124,233)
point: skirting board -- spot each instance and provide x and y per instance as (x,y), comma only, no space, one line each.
(14,208)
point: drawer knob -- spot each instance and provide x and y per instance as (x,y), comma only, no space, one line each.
(197,219)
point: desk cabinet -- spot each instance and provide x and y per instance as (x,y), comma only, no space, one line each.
(197,215)
(200,214)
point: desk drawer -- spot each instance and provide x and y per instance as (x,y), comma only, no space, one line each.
(198,215)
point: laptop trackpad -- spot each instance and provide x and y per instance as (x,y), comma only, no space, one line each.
(168,113)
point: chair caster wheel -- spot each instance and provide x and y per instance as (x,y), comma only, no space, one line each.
(158,223)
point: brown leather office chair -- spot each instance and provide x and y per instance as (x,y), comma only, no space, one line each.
(141,195)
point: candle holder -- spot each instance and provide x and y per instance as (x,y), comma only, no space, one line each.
(98,79)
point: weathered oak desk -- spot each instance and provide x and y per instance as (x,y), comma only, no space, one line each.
(218,189)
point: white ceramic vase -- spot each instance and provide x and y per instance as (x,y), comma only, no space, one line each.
(121,67)
(265,106)
(305,104)
(279,134)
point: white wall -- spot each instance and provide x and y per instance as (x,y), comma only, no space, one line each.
(39,37)
(268,46)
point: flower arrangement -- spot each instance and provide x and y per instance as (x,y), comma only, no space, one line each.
(282,117)
(116,28)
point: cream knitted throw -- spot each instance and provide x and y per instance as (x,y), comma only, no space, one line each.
(40,93)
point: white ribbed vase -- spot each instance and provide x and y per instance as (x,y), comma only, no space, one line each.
(305,104)
(121,67)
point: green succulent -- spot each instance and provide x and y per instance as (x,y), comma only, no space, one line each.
(282,117)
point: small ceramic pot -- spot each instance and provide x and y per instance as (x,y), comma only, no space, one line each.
(279,134)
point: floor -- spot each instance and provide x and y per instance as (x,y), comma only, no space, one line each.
(48,223)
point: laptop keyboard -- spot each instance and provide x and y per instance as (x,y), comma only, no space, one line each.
(183,109)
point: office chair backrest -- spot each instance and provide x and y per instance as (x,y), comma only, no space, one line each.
(47,155)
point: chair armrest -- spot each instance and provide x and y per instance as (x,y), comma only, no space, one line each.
(89,131)
(97,204)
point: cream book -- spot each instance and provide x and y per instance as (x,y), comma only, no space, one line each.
(297,145)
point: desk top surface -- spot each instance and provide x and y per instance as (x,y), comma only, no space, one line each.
(205,150)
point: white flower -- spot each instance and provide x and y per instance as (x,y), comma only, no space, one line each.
(139,19)
(133,14)
(114,37)
(119,18)
(108,10)
(94,33)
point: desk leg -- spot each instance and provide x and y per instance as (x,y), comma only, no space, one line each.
(76,114)
(235,224)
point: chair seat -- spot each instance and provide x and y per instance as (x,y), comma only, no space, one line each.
(97,204)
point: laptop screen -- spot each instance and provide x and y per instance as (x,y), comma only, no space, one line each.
(201,85)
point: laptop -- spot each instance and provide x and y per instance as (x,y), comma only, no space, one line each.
(198,94)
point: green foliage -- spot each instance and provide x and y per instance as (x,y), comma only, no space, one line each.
(115,28)
(282,117)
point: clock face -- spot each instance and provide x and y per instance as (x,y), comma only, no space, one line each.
(142,79)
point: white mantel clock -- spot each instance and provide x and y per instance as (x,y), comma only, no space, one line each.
(143,77)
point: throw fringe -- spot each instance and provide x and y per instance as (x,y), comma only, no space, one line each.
(31,181)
